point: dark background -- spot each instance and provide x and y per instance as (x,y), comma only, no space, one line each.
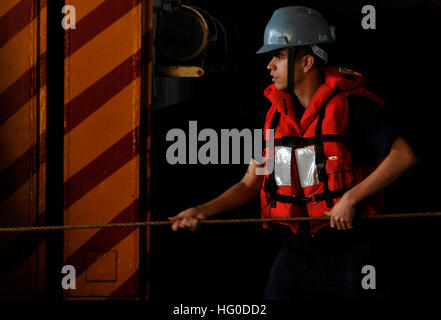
(401,61)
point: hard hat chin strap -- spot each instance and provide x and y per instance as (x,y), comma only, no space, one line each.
(291,59)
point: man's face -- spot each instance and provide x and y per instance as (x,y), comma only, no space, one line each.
(278,68)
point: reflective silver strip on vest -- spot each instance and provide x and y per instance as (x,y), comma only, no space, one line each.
(305,158)
(282,172)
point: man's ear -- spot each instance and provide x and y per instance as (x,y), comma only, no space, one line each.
(308,62)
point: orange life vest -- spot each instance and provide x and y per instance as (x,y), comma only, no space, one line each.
(313,166)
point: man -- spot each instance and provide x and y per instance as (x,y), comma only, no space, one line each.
(329,125)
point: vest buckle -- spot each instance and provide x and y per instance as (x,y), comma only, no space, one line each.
(313,199)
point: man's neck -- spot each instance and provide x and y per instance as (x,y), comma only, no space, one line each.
(306,90)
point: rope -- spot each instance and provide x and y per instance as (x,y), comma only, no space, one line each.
(223,221)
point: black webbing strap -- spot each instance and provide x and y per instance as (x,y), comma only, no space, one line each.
(288,199)
(300,142)
(270,182)
(329,195)
(291,59)
(320,158)
(313,198)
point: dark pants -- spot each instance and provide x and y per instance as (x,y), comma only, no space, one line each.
(328,265)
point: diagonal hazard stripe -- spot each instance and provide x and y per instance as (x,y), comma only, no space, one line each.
(97,21)
(105,239)
(21,170)
(84,7)
(106,125)
(6,5)
(126,289)
(100,168)
(79,108)
(17,18)
(21,91)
